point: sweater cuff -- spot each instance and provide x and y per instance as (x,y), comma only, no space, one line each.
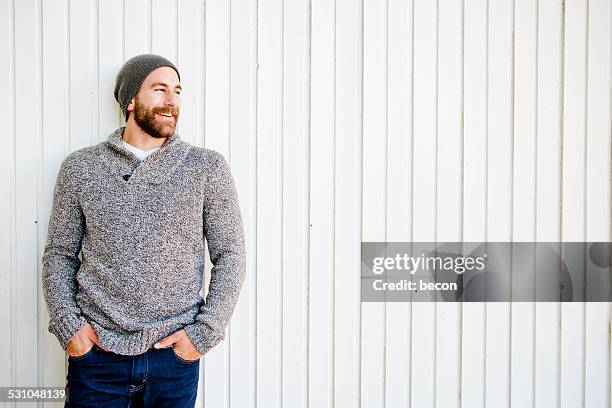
(66,326)
(203,337)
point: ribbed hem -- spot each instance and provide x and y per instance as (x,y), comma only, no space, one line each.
(133,343)
(203,337)
(66,326)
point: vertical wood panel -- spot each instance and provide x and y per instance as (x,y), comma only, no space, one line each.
(243,150)
(164,28)
(296,230)
(322,204)
(424,145)
(399,189)
(190,61)
(499,190)
(475,77)
(374,139)
(110,59)
(524,198)
(7,190)
(348,196)
(83,75)
(598,151)
(137,27)
(573,221)
(548,200)
(269,203)
(448,192)
(25,279)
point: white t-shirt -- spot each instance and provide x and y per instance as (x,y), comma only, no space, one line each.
(141,154)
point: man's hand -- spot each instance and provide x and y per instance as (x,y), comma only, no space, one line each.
(83,341)
(182,345)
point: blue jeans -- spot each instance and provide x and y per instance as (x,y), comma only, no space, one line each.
(156,378)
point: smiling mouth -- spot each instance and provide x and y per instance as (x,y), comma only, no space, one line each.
(167,116)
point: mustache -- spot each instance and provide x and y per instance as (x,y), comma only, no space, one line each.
(173,112)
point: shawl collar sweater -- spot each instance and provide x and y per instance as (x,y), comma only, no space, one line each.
(139,227)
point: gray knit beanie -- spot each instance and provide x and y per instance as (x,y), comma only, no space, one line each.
(133,73)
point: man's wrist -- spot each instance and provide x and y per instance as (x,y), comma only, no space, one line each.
(202,336)
(65,327)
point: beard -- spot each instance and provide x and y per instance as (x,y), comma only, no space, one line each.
(149,122)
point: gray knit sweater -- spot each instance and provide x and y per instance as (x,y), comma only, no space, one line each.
(141,239)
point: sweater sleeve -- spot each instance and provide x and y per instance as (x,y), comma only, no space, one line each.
(60,260)
(224,233)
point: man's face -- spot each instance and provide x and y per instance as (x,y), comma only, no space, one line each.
(157,104)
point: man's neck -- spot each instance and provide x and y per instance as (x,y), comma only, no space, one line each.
(140,139)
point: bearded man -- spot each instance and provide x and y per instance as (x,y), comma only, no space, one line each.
(138,207)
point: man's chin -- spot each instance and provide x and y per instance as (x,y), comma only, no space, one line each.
(164,133)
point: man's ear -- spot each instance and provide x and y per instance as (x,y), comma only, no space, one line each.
(131,105)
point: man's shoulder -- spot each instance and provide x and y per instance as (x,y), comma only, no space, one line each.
(207,156)
(81,157)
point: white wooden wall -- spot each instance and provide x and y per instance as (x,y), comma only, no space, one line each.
(343,121)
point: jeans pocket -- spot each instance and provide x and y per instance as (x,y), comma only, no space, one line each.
(82,356)
(181,359)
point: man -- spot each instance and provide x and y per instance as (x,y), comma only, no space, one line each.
(138,207)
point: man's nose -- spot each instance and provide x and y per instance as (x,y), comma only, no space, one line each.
(171,99)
